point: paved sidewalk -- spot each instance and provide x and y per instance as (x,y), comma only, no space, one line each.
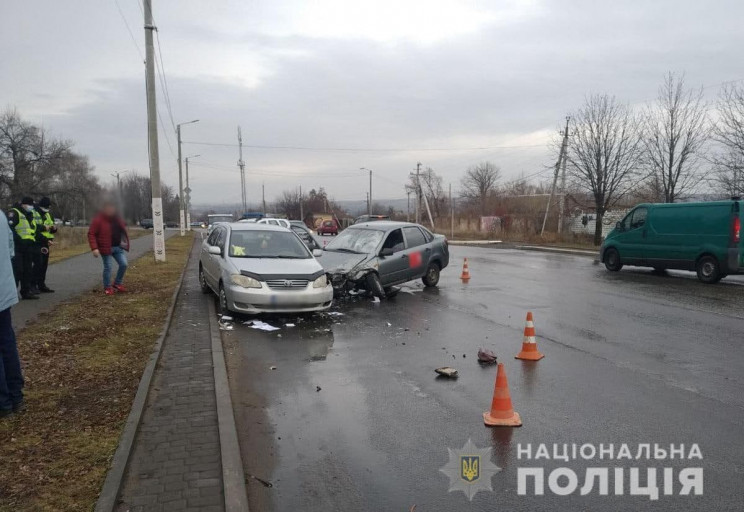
(175,463)
(71,277)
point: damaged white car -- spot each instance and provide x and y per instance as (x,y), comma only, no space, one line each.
(376,256)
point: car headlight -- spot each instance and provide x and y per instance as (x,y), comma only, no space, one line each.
(245,281)
(321,282)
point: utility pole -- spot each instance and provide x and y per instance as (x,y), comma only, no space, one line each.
(119,197)
(241,164)
(181,202)
(418,193)
(158,237)
(302,211)
(562,200)
(408,208)
(263,197)
(369,196)
(366,197)
(452,214)
(187,193)
(561,156)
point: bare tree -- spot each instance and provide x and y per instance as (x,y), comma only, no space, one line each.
(604,151)
(675,133)
(728,131)
(479,182)
(27,156)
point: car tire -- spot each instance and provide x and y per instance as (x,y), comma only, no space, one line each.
(374,285)
(431,278)
(612,260)
(203,281)
(222,300)
(708,269)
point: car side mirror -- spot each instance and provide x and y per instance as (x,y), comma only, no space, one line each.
(317,253)
(386,251)
(213,249)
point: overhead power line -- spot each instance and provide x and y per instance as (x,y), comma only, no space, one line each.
(365,150)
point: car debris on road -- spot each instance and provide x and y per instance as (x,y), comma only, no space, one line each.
(486,356)
(446,371)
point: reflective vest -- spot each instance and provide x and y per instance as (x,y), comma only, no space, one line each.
(47,221)
(24,229)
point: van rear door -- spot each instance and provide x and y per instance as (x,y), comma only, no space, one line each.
(736,245)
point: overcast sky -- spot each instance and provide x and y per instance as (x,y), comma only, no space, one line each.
(385,81)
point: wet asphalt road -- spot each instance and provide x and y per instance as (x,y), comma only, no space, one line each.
(631,357)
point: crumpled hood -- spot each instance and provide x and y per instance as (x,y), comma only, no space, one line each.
(341,262)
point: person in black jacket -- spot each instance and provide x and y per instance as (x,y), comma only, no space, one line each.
(23,224)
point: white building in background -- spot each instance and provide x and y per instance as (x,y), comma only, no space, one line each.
(583,223)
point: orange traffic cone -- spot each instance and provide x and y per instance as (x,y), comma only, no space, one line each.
(501,414)
(529,344)
(465,276)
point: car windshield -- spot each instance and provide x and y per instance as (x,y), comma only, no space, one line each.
(214,219)
(361,241)
(267,244)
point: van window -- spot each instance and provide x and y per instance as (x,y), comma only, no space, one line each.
(639,218)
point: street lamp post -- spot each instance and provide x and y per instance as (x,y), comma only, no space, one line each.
(182,215)
(187,193)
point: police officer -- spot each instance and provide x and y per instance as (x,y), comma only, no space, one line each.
(23,225)
(45,237)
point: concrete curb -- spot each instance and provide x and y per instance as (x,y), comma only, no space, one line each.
(233,478)
(474,242)
(559,250)
(115,476)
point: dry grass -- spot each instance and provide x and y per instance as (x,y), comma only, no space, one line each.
(82,363)
(73,241)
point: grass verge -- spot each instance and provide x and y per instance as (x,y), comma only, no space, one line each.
(82,364)
(73,241)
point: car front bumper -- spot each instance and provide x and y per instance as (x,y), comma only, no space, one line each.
(271,300)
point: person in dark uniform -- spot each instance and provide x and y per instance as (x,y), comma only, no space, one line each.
(23,225)
(45,237)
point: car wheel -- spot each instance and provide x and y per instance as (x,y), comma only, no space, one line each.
(612,260)
(708,270)
(203,281)
(223,300)
(374,285)
(431,278)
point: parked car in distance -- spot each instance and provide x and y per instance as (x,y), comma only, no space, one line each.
(301,224)
(215,218)
(379,255)
(171,224)
(260,268)
(702,237)
(146,223)
(274,222)
(328,227)
(305,234)
(370,218)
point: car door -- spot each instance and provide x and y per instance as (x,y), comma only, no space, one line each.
(215,262)
(206,257)
(417,252)
(392,268)
(632,240)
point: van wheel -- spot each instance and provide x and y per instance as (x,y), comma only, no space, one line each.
(612,260)
(203,281)
(374,286)
(431,278)
(708,270)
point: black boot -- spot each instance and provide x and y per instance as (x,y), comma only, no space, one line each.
(45,289)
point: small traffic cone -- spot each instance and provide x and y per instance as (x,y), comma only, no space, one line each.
(501,414)
(529,344)
(465,276)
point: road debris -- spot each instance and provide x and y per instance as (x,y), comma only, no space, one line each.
(226,318)
(289,325)
(272,367)
(334,313)
(375,300)
(225,326)
(486,356)
(263,482)
(261,326)
(317,388)
(447,371)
